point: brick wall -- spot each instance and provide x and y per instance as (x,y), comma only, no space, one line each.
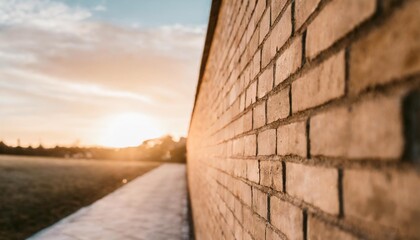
(306,121)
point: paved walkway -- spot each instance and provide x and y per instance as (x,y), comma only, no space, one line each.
(153,206)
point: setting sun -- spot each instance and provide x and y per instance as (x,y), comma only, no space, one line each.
(128,129)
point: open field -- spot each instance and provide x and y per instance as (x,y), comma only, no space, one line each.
(37,192)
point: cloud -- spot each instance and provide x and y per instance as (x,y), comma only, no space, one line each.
(42,14)
(60,62)
(117,57)
(99,8)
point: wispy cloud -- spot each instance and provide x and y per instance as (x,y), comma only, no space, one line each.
(58,54)
(99,8)
(42,14)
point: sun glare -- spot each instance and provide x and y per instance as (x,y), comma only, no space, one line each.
(128,129)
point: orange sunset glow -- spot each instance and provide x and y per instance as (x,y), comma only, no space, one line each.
(97,73)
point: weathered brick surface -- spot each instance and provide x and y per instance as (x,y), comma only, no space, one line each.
(388,198)
(334,21)
(259,202)
(369,129)
(318,230)
(267,142)
(278,106)
(271,174)
(320,85)
(289,61)
(264,25)
(259,115)
(251,94)
(276,7)
(271,234)
(250,145)
(315,185)
(301,126)
(303,9)
(252,171)
(265,82)
(254,225)
(278,37)
(287,218)
(388,53)
(291,139)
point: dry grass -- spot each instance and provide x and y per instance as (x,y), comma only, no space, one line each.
(37,192)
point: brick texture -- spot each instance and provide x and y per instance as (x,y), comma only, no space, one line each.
(347,14)
(278,106)
(303,9)
(289,61)
(369,129)
(318,230)
(376,60)
(301,127)
(267,142)
(321,84)
(291,139)
(315,185)
(287,217)
(271,174)
(383,197)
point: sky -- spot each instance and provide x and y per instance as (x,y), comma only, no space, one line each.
(98,72)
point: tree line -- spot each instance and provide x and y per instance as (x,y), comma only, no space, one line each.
(164,149)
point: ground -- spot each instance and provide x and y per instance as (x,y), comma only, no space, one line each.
(37,192)
(153,206)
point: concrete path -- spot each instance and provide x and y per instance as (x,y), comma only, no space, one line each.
(153,206)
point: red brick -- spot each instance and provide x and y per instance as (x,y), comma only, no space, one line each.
(271,174)
(251,4)
(265,82)
(251,94)
(253,171)
(243,192)
(277,176)
(371,129)
(270,234)
(259,9)
(242,102)
(291,139)
(319,230)
(238,210)
(237,230)
(315,185)
(278,37)
(259,202)
(276,7)
(267,142)
(253,45)
(255,65)
(287,218)
(389,52)
(278,106)
(289,61)
(250,145)
(303,9)
(320,85)
(265,173)
(324,31)
(239,168)
(259,115)
(387,197)
(264,25)
(247,121)
(254,225)
(246,236)
(238,146)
